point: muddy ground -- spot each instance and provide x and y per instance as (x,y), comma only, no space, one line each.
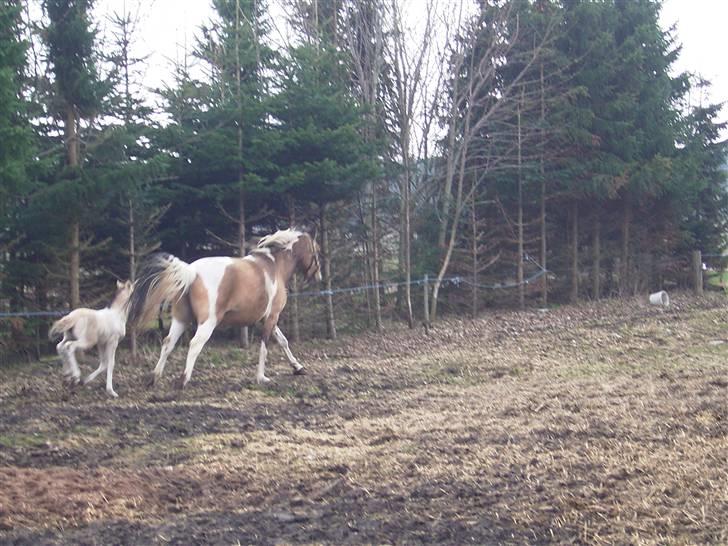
(600,424)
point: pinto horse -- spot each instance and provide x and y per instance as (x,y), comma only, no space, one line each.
(224,290)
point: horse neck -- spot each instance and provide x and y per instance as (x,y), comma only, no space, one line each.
(287,265)
(120,306)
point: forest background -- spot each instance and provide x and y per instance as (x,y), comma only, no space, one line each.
(518,153)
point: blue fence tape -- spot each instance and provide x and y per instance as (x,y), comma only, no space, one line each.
(456,281)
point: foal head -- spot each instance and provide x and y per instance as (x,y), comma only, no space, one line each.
(123,293)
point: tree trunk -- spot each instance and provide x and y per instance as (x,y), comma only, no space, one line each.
(449,177)
(625,273)
(375,262)
(544,278)
(698,272)
(132,274)
(597,251)
(456,216)
(243,332)
(74,243)
(408,254)
(295,333)
(574,295)
(326,259)
(367,269)
(405,252)
(475,257)
(75,264)
(521,287)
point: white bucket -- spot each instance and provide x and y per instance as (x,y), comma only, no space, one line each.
(660,298)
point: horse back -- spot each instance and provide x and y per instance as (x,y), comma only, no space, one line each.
(243,295)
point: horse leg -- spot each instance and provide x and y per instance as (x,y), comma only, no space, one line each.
(71,349)
(260,377)
(298,368)
(110,351)
(62,350)
(268,326)
(103,362)
(175,331)
(203,333)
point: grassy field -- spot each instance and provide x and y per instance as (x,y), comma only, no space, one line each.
(599,424)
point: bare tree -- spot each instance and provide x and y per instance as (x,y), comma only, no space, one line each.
(123,29)
(481,103)
(365,42)
(410,63)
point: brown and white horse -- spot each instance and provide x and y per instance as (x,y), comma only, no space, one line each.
(224,290)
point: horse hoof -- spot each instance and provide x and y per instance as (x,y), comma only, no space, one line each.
(181,382)
(300,371)
(112,393)
(262,380)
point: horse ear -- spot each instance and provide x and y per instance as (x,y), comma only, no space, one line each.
(314,229)
(119,285)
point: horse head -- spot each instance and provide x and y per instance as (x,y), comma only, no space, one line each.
(123,293)
(303,249)
(308,257)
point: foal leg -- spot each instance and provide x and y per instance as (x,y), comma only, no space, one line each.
(298,368)
(203,333)
(62,350)
(71,348)
(175,331)
(103,362)
(110,350)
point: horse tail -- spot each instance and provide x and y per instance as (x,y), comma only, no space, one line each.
(61,326)
(160,279)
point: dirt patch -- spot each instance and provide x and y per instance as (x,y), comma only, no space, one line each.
(603,423)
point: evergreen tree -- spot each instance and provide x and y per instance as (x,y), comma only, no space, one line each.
(78,92)
(15,151)
(220,129)
(700,193)
(14,129)
(324,156)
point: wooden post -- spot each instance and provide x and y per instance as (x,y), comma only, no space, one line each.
(326,273)
(427,305)
(698,272)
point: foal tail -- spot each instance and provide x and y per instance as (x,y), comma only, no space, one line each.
(62,325)
(160,279)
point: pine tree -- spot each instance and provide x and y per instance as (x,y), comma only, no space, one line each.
(15,152)
(78,90)
(323,156)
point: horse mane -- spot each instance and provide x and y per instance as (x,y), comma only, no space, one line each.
(283,239)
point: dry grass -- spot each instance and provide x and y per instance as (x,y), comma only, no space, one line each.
(598,424)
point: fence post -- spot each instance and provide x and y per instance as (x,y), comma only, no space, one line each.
(427,304)
(698,272)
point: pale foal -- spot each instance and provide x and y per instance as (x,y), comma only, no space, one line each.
(85,328)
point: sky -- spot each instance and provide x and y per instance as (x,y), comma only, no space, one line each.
(702,31)
(167,26)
